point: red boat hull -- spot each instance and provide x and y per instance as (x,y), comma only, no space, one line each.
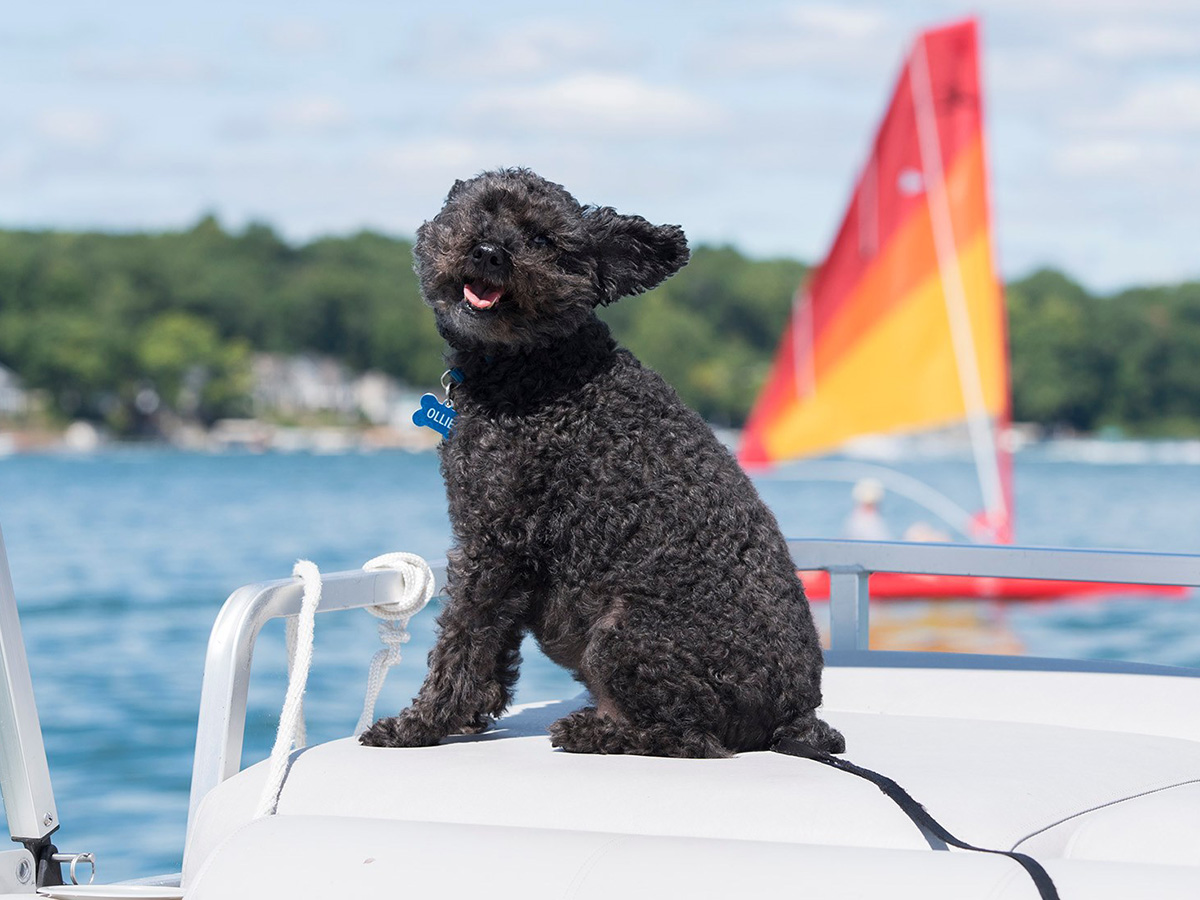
(900,586)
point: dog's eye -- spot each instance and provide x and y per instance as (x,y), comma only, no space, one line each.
(540,240)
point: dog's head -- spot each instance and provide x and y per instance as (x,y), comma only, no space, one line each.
(513,260)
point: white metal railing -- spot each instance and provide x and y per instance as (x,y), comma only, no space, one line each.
(851,563)
(222,721)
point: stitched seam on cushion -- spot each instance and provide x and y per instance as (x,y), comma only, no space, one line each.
(999,889)
(581,874)
(293,758)
(1093,809)
(208,860)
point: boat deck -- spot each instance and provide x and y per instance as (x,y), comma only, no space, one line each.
(1078,769)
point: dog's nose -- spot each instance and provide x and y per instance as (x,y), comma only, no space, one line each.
(490,259)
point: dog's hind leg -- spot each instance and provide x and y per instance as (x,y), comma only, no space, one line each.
(809,729)
(586,731)
(650,698)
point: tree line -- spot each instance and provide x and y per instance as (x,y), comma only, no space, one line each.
(94,321)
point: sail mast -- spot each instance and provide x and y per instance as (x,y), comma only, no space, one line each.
(979,424)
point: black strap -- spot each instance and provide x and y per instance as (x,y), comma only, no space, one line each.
(915,811)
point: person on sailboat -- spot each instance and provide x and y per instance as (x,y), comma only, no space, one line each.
(865,522)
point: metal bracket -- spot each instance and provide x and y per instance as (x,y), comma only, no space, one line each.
(49,871)
(17,872)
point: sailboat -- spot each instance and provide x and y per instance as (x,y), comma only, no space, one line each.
(902,329)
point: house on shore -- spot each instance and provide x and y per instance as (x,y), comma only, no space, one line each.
(14,399)
(317,403)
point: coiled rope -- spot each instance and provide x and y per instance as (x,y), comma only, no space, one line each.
(393,622)
(417,586)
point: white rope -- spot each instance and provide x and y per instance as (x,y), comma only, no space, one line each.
(292,628)
(291,723)
(416,591)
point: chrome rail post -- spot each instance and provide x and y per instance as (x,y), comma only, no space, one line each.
(222,721)
(24,772)
(849,608)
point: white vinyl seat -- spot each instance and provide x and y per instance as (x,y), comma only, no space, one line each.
(321,857)
(1081,799)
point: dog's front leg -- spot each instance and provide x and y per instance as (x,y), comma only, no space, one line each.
(472,667)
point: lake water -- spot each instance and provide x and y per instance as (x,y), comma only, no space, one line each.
(121,560)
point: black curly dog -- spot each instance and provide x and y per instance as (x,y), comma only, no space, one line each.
(590,506)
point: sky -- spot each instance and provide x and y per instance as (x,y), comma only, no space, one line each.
(746,123)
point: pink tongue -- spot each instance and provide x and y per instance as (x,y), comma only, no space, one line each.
(484,300)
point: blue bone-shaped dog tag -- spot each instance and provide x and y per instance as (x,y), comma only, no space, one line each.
(435,414)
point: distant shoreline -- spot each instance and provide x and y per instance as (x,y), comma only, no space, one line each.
(146,331)
(255,437)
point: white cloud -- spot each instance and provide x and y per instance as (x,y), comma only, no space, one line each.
(1029,70)
(158,67)
(1088,8)
(425,158)
(298,36)
(542,46)
(1115,156)
(312,114)
(75,127)
(1164,106)
(596,103)
(818,38)
(15,164)
(837,22)
(515,50)
(1127,41)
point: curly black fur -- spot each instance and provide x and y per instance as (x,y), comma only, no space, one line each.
(590,506)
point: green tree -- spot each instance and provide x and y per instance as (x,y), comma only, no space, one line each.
(93,319)
(194,371)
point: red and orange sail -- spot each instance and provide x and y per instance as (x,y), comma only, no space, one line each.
(902,328)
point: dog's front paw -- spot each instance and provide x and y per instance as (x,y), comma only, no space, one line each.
(481,723)
(400,731)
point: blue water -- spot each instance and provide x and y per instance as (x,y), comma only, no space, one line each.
(121,560)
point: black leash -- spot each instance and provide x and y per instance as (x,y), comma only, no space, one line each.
(915,811)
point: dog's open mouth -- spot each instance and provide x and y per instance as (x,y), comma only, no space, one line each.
(481,295)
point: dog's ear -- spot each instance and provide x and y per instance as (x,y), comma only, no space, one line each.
(458,185)
(631,254)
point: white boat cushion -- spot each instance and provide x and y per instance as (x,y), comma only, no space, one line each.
(1104,701)
(319,857)
(1160,827)
(994,784)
